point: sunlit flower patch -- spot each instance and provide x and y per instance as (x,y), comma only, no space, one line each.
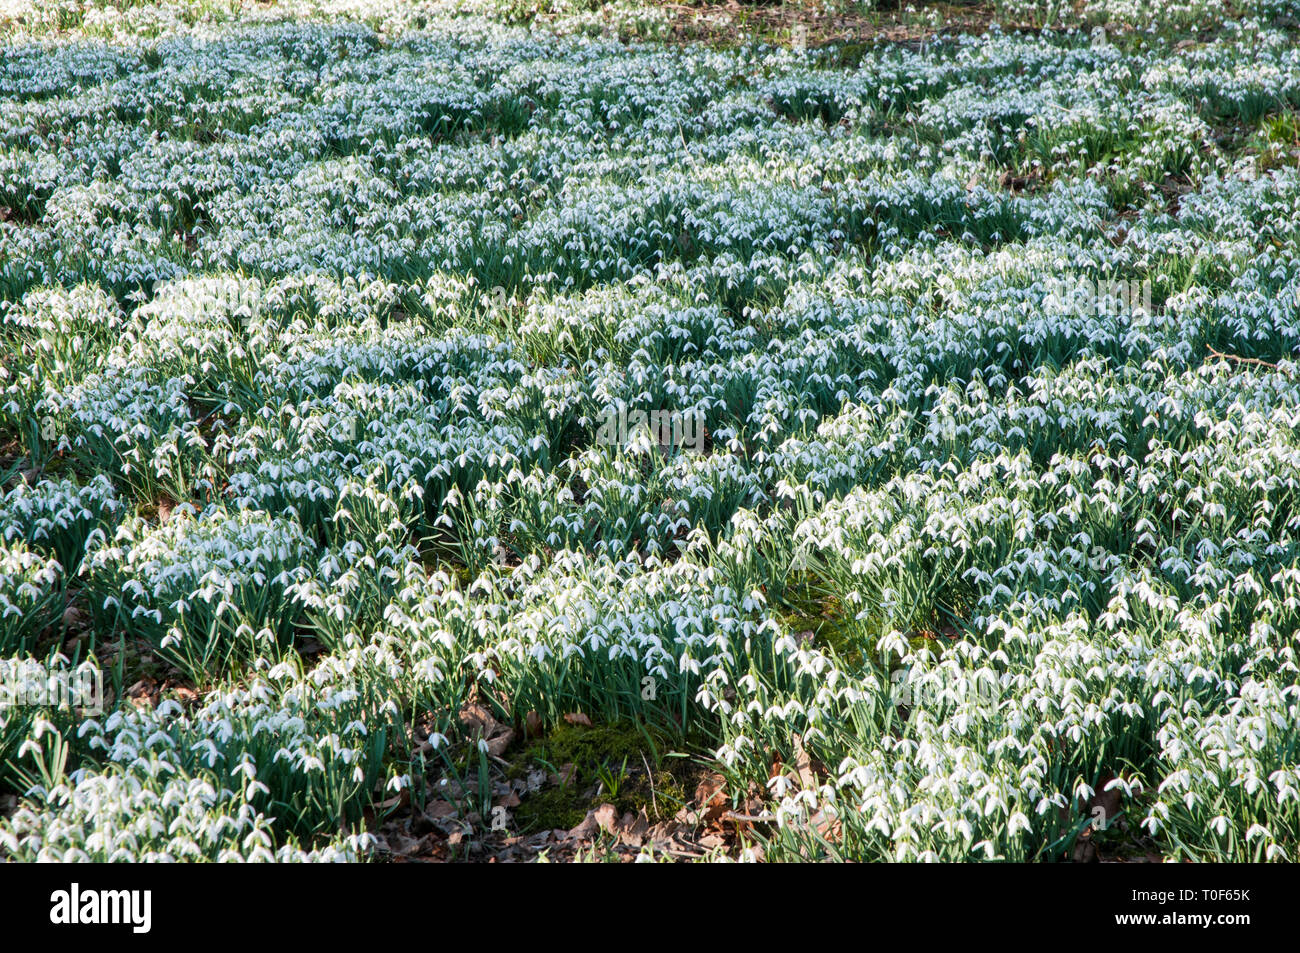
(961,499)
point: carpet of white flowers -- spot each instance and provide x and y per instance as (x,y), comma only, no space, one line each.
(310,315)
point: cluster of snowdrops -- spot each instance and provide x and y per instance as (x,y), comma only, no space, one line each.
(309,324)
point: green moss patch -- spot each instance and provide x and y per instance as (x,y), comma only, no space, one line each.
(627,764)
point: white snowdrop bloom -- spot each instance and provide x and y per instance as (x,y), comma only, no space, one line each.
(966,443)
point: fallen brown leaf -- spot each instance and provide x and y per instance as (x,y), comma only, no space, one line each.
(402,799)
(440,809)
(497,746)
(477,718)
(532,724)
(803,764)
(633,830)
(711,797)
(606,818)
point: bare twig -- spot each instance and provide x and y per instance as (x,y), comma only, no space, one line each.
(750,818)
(1254,361)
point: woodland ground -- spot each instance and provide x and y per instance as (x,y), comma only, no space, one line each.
(496,431)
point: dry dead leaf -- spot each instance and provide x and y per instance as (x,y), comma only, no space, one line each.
(803,764)
(586,828)
(440,809)
(497,746)
(633,830)
(711,798)
(827,826)
(578,718)
(402,799)
(686,818)
(144,693)
(606,818)
(477,718)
